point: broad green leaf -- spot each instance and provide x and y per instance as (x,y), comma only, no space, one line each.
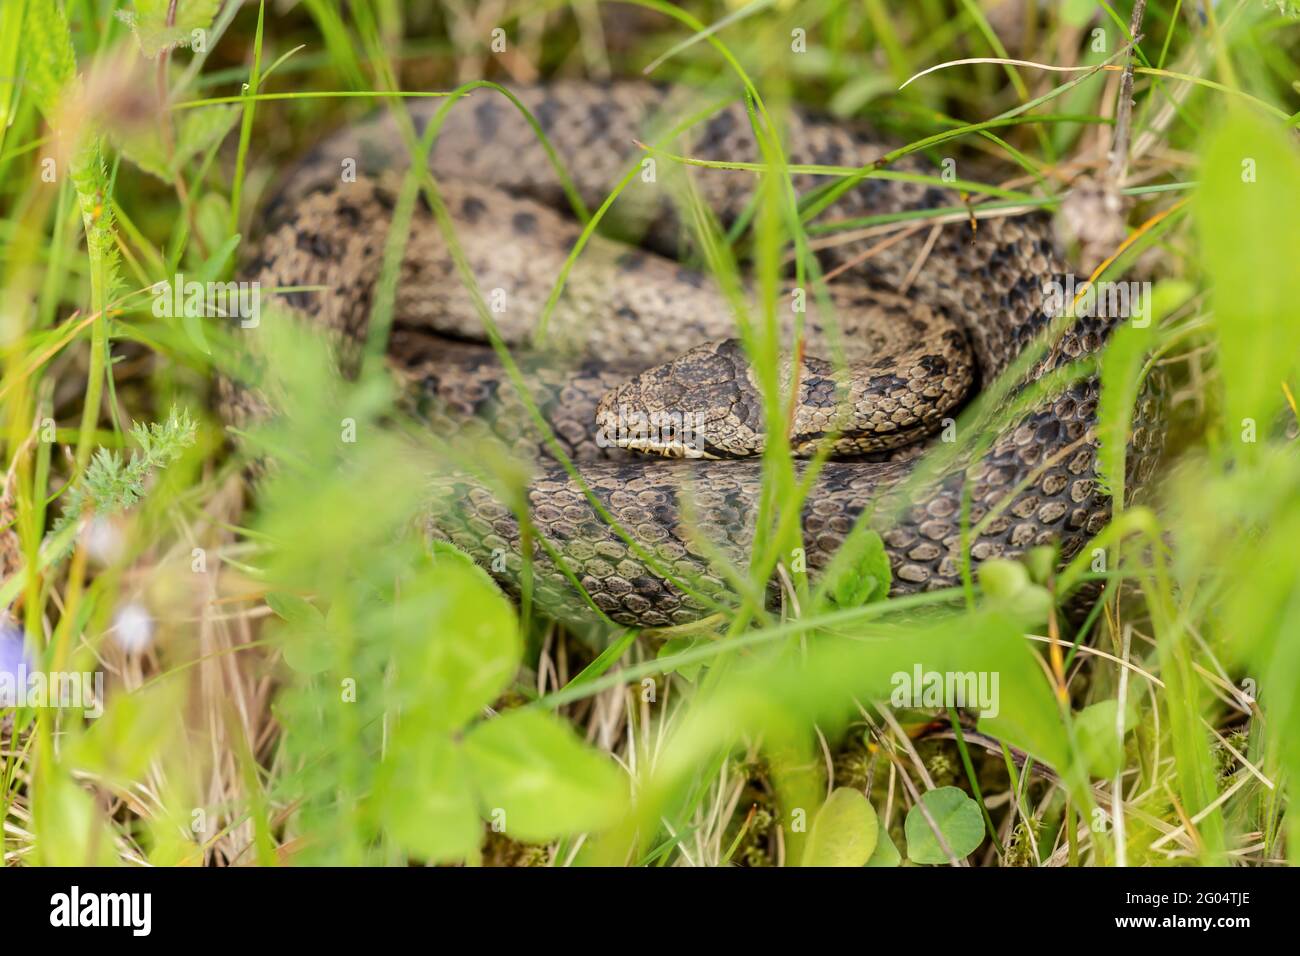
(865,664)
(196,130)
(69,829)
(155,32)
(294,610)
(773,695)
(305,637)
(1247,205)
(958,818)
(531,768)
(445,550)
(844,831)
(453,640)
(861,574)
(886,852)
(145,149)
(1008,586)
(458,644)
(1003,579)
(424,798)
(1040,562)
(199,129)
(1094,728)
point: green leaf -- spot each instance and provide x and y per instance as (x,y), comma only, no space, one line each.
(1094,728)
(69,828)
(199,129)
(844,831)
(424,798)
(1003,579)
(1008,586)
(445,550)
(530,766)
(196,131)
(680,645)
(306,640)
(1040,562)
(458,644)
(860,574)
(886,852)
(958,818)
(212,268)
(155,33)
(1246,208)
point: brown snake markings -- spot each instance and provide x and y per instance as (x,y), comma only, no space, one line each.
(913,355)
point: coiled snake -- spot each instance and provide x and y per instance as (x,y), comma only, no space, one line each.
(924,317)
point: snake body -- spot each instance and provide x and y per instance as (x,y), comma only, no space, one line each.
(917,324)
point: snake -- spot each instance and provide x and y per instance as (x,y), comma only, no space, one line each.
(645,424)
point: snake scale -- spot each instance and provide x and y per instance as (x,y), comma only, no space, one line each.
(923,321)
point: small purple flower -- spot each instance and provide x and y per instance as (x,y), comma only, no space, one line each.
(14,661)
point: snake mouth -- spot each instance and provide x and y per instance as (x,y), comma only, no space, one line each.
(664,449)
(620,424)
(613,431)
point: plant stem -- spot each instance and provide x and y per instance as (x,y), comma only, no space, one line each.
(92,209)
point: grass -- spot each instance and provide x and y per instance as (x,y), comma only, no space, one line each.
(291,677)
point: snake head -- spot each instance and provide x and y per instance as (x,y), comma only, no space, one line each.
(702,404)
